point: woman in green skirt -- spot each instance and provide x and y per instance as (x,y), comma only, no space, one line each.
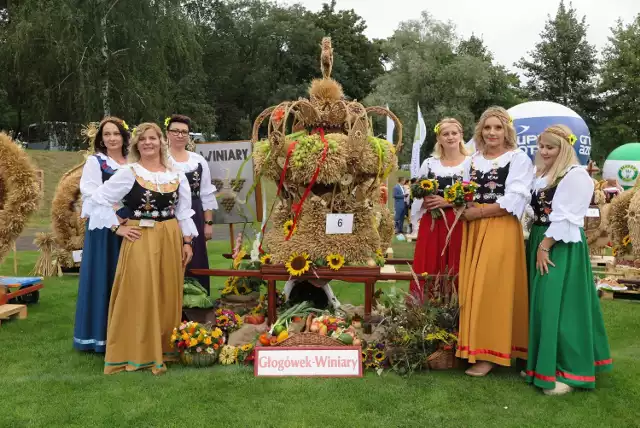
(567,339)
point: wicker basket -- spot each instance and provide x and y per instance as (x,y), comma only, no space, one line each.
(310,339)
(442,359)
(198,360)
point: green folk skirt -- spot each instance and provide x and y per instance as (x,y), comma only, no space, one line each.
(567,338)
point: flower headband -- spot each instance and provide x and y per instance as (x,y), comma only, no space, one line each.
(166,122)
(436,129)
(572,139)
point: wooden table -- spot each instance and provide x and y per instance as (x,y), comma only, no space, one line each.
(352,274)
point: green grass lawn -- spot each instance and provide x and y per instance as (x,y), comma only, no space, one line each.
(44,382)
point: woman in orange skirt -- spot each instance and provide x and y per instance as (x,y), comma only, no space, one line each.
(448,163)
(493,295)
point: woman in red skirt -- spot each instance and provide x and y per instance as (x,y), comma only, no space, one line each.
(448,163)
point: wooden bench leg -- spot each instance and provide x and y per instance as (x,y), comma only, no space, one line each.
(272,299)
(369,287)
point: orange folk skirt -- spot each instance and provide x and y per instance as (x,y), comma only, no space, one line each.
(493,292)
(146,301)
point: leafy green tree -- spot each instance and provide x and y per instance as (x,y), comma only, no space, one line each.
(563,64)
(619,119)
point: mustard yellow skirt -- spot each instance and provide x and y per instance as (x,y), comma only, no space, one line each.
(146,300)
(494,301)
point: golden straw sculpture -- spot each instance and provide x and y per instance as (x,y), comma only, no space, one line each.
(19,192)
(66,207)
(324,158)
(45,265)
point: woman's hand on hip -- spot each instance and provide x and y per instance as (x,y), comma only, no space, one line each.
(131,233)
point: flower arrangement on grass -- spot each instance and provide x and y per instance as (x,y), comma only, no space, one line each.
(227,320)
(374,357)
(228,355)
(198,344)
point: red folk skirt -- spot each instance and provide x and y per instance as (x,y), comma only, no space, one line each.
(428,256)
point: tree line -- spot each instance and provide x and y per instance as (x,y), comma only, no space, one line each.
(223,62)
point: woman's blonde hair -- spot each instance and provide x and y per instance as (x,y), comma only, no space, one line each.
(556,136)
(134,153)
(507,124)
(437,149)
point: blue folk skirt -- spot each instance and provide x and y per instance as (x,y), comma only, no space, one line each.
(97,271)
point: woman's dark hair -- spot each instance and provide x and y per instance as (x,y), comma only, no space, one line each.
(179,118)
(99,145)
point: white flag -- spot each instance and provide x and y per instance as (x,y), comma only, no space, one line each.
(418,139)
(391,126)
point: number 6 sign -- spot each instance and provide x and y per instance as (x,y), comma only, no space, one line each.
(339,223)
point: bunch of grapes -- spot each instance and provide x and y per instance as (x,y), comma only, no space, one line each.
(218,183)
(228,204)
(238,184)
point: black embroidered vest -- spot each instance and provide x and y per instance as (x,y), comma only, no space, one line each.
(105,169)
(491,184)
(195,177)
(541,205)
(150,204)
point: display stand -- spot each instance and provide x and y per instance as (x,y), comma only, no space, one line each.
(352,274)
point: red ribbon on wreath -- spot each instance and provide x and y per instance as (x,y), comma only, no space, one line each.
(297,207)
(290,150)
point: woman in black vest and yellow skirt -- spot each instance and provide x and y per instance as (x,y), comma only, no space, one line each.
(146,301)
(493,276)
(567,338)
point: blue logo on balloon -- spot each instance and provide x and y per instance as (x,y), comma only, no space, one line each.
(528,129)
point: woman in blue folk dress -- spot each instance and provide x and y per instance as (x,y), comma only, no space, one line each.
(101,246)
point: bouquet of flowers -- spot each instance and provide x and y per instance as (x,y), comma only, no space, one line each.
(460,193)
(424,187)
(237,354)
(227,320)
(198,344)
(374,357)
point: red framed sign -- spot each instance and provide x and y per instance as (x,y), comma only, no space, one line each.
(337,361)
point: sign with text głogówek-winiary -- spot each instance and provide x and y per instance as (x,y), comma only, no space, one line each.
(338,361)
(225,158)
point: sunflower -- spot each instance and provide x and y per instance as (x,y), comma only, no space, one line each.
(426,185)
(626,240)
(298,264)
(336,261)
(246,347)
(287,227)
(228,355)
(266,259)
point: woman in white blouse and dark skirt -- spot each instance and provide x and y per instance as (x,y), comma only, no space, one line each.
(203,199)
(567,338)
(146,301)
(493,275)
(101,247)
